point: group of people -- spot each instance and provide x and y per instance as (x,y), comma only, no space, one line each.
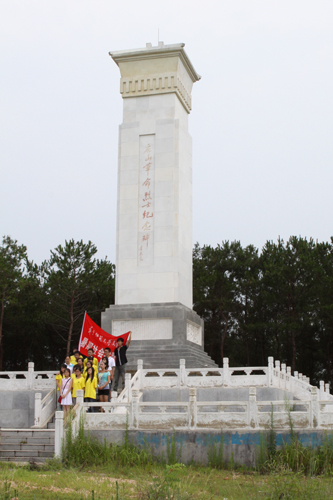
(97,379)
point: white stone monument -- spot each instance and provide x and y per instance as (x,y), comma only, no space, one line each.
(154,209)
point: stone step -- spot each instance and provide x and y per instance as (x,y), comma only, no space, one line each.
(28,454)
(26,447)
(27,433)
(24,460)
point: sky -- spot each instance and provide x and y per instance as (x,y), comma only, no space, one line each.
(261,120)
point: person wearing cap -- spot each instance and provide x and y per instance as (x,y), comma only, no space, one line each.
(121,361)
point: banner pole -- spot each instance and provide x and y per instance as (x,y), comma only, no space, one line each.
(84,319)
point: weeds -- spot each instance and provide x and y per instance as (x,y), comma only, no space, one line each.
(293,455)
(7,493)
(215,453)
(85,450)
(174,455)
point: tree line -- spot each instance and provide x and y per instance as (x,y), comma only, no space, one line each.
(42,307)
(276,302)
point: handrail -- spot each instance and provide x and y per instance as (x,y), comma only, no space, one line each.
(44,409)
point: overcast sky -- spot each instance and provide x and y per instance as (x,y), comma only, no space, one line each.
(261,122)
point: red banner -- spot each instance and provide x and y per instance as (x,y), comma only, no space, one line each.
(93,337)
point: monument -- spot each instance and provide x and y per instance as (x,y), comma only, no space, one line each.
(153,296)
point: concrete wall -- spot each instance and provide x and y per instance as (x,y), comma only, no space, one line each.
(194,444)
(17,408)
(216,394)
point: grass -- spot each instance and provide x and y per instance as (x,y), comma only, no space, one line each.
(156,482)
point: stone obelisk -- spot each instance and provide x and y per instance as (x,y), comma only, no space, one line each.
(153,295)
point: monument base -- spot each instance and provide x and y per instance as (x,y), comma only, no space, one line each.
(162,334)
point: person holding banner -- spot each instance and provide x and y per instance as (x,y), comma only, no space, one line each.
(121,360)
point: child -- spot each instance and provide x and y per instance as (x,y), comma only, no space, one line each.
(78,383)
(103,383)
(88,365)
(69,364)
(75,357)
(59,378)
(65,391)
(91,358)
(90,388)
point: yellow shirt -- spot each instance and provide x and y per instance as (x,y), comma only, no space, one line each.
(78,385)
(90,388)
(95,364)
(59,378)
(74,360)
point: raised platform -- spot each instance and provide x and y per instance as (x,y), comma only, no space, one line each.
(162,334)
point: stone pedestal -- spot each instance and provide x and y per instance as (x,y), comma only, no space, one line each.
(162,334)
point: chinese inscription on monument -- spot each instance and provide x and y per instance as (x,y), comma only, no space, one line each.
(146,201)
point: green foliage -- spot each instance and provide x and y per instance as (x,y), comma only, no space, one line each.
(8,493)
(277,303)
(215,452)
(174,452)
(85,450)
(293,455)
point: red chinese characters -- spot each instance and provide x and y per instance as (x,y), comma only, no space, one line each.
(146,200)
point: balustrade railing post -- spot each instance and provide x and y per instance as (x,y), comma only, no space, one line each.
(79,396)
(114,396)
(31,371)
(38,408)
(192,407)
(182,373)
(321,388)
(128,386)
(283,371)
(134,418)
(59,433)
(314,409)
(277,368)
(226,380)
(327,388)
(270,371)
(252,409)
(140,370)
(289,382)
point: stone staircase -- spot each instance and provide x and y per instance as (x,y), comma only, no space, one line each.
(168,356)
(27,445)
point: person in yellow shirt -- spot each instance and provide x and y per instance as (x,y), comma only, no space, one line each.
(78,383)
(75,356)
(59,378)
(90,388)
(91,358)
(88,365)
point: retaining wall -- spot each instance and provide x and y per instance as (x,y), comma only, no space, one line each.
(17,408)
(194,444)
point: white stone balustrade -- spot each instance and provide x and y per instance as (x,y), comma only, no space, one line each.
(44,408)
(27,380)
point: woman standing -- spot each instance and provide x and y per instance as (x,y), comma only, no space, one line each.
(78,383)
(65,391)
(88,365)
(59,378)
(90,388)
(103,383)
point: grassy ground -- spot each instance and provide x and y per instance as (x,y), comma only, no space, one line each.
(156,482)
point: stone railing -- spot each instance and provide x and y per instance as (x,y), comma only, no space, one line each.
(27,380)
(44,408)
(250,415)
(278,376)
